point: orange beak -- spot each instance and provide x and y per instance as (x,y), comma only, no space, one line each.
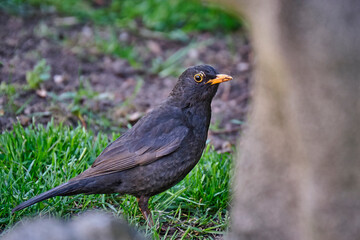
(219,79)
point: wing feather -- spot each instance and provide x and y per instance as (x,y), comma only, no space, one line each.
(138,147)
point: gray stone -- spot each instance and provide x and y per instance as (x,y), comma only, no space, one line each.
(89,226)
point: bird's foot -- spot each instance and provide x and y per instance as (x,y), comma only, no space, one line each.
(143,205)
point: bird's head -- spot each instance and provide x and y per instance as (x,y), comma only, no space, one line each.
(198,84)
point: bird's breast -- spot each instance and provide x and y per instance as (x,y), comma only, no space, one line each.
(198,120)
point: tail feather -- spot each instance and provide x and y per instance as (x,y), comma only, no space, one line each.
(66,189)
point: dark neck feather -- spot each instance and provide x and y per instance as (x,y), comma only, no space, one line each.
(190,97)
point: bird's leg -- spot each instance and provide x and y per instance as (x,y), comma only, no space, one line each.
(143,205)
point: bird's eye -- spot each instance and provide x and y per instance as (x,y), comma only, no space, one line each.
(198,77)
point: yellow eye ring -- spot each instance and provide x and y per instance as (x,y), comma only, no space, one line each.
(198,77)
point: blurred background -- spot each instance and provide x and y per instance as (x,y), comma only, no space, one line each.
(103,63)
(74,75)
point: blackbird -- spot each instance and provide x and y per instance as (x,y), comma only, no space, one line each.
(158,151)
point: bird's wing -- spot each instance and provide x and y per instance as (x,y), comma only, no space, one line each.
(146,142)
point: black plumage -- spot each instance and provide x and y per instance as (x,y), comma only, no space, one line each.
(158,151)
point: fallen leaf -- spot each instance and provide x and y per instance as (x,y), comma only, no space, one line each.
(41,93)
(58,79)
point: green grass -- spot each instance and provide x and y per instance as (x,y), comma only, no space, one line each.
(38,75)
(157,15)
(36,159)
